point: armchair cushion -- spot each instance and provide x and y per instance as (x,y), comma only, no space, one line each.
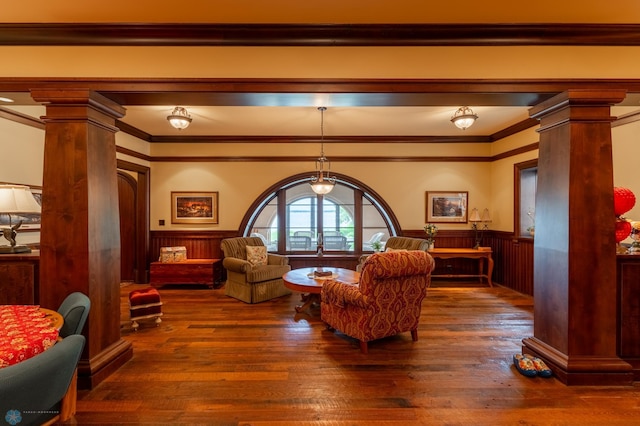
(257,255)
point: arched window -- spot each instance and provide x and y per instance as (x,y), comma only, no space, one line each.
(291,218)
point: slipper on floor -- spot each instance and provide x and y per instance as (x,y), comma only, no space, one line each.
(524,366)
(540,366)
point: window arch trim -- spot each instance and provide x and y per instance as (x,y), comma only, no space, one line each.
(270,193)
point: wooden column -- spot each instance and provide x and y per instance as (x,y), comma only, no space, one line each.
(574,249)
(80,233)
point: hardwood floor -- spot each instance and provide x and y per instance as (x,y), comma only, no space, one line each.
(218,361)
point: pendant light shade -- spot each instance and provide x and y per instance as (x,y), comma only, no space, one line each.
(179,118)
(464,118)
(321,184)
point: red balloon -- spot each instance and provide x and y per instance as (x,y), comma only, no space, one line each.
(623,229)
(623,200)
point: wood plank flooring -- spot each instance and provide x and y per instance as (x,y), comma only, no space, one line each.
(218,361)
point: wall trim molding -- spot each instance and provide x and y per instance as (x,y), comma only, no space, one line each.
(154,34)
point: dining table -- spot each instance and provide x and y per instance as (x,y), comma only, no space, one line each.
(25,331)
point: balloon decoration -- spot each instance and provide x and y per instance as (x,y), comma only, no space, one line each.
(623,229)
(623,201)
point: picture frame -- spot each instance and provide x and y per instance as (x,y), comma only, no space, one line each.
(447,206)
(30,221)
(194,207)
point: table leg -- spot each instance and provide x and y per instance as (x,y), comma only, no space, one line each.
(308,300)
(489,270)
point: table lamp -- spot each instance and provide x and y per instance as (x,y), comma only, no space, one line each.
(16,200)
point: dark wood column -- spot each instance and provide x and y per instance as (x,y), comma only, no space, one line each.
(80,235)
(574,249)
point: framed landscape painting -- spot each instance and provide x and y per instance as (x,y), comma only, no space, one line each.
(447,206)
(194,207)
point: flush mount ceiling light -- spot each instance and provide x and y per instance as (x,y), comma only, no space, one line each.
(464,118)
(179,118)
(321,184)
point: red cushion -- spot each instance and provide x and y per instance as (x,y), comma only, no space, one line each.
(144,296)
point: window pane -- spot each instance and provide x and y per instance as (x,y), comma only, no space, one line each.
(302,221)
(337,219)
(374,227)
(266,225)
(528,182)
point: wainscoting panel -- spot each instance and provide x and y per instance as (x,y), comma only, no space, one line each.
(199,244)
(513,257)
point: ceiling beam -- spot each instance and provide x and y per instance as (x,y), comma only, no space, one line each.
(137,34)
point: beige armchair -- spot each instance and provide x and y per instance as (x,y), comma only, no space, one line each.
(254,277)
(398,243)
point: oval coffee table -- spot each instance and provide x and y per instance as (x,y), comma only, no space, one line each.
(302,280)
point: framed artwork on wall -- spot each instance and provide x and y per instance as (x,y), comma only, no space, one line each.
(447,206)
(194,207)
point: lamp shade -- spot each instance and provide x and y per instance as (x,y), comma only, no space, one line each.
(180,118)
(322,187)
(464,118)
(475,216)
(16,199)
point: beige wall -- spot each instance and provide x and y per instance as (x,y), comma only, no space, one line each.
(401,184)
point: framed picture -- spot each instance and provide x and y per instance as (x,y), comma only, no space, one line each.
(194,207)
(30,221)
(447,206)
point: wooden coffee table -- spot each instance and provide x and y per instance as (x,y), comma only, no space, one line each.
(300,280)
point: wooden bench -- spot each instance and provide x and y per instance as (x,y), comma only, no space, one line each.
(190,271)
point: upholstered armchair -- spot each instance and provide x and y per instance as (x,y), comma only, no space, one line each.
(37,391)
(385,302)
(398,243)
(253,275)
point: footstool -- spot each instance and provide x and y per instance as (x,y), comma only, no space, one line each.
(144,304)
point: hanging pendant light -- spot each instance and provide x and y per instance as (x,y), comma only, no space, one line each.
(319,183)
(464,117)
(179,118)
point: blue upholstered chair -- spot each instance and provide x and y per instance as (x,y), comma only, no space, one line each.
(33,391)
(75,310)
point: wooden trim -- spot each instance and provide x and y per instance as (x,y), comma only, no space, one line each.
(233,139)
(142,34)
(132,153)
(516,151)
(626,119)
(20,118)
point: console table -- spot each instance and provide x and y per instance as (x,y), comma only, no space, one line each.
(190,271)
(482,256)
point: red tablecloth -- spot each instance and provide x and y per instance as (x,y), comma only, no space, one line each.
(24,332)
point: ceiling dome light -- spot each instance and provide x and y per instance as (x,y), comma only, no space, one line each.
(179,118)
(320,184)
(464,118)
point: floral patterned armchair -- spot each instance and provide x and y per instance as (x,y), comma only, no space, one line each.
(387,300)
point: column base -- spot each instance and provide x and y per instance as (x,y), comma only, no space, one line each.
(577,370)
(92,372)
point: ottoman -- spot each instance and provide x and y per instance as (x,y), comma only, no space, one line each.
(144,304)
